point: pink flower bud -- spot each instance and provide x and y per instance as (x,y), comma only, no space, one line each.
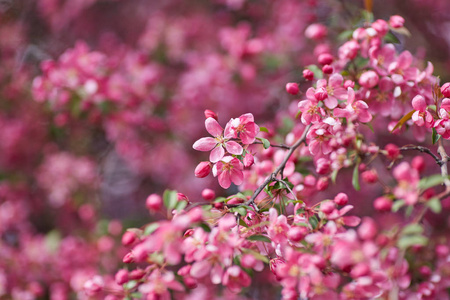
(425,271)
(341,199)
(325,59)
(442,250)
(321,94)
(128,238)
(383,204)
(381,26)
(445,89)
(396,21)
(136,274)
(297,233)
(418,163)
(369,176)
(419,103)
(195,214)
(292,88)
(121,277)
(309,181)
(327,207)
(190,282)
(322,183)
(128,258)
(308,74)
(368,229)
(368,79)
(182,197)
(323,166)
(248,160)
(349,84)
(218,205)
(211,114)
(153,202)
(208,194)
(203,169)
(392,150)
(327,69)
(316,31)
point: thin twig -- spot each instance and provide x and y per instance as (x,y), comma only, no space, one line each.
(283,146)
(287,187)
(423,150)
(272,176)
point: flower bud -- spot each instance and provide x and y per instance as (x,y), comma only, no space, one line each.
(323,166)
(153,202)
(382,204)
(368,79)
(368,229)
(128,238)
(396,21)
(369,176)
(121,277)
(327,69)
(182,197)
(309,181)
(316,31)
(248,160)
(203,169)
(211,114)
(393,152)
(327,207)
(208,194)
(128,258)
(445,89)
(325,59)
(341,199)
(308,74)
(137,274)
(381,26)
(349,83)
(418,163)
(297,233)
(322,184)
(292,88)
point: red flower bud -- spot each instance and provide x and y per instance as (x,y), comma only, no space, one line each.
(325,59)
(208,194)
(203,169)
(211,114)
(308,74)
(327,69)
(382,204)
(292,88)
(128,238)
(121,277)
(153,202)
(341,199)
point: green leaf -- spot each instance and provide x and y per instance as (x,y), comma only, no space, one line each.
(391,38)
(53,240)
(263,129)
(265,142)
(435,136)
(181,205)
(435,205)
(317,72)
(205,227)
(257,255)
(149,229)
(411,240)
(136,295)
(260,238)
(355,177)
(403,120)
(170,199)
(397,205)
(130,285)
(431,181)
(240,210)
(242,223)
(412,229)
(313,221)
(334,175)
(345,35)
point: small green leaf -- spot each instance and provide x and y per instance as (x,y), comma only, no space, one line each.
(397,205)
(412,229)
(355,177)
(265,142)
(170,199)
(242,223)
(205,227)
(391,38)
(313,221)
(263,129)
(403,120)
(257,255)
(130,285)
(345,35)
(435,136)
(136,295)
(435,205)
(411,240)
(260,238)
(180,205)
(240,210)
(431,181)
(334,175)
(149,229)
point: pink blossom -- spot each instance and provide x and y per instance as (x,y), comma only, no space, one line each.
(368,79)
(229,170)
(349,50)
(292,88)
(421,116)
(354,110)
(407,179)
(445,89)
(331,91)
(442,125)
(396,21)
(316,31)
(218,142)
(244,127)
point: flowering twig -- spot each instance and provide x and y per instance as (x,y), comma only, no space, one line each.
(279,169)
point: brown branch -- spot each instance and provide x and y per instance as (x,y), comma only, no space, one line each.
(423,150)
(283,146)
(279,169)
(444,160)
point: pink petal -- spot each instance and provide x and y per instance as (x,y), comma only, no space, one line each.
(314,147)
(205,144)
(200,269)
(213,127)
(246,118)
(419,103)
(351,95)
(234,148)
(224,180)
(216,154)
(351,221)
(335,80)
(341,113)
(331,102)
(237,176)
(404,60)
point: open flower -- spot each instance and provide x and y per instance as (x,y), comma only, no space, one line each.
(229,169)
(421,116)
(354,109)
(245,127)
(218,142)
